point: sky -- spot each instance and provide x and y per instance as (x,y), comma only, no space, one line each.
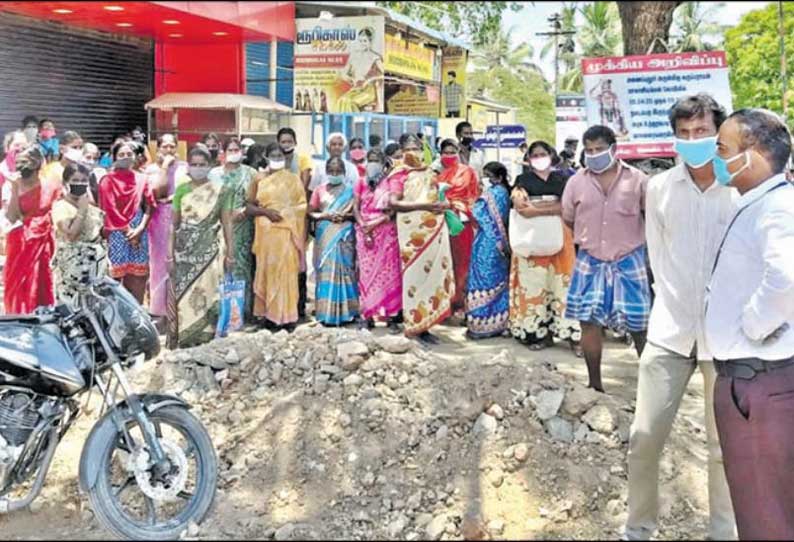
(532,19)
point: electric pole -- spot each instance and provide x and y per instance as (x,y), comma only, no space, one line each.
(556,33)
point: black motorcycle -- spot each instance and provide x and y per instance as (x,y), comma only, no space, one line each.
(148,466)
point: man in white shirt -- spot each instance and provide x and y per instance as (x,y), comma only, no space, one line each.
(469,154)
(336,143)
(685,214)
(749,325)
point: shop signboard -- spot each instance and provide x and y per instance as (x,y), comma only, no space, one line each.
(453,82)
(339,64)
(407,58)
(633,95)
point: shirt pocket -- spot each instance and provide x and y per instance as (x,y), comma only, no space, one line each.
(627,202)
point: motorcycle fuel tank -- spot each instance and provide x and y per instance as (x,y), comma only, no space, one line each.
(35,355)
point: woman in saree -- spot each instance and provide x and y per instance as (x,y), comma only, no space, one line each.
(30,246)
(238,227)
(194,255)
(331,207)
(127,201)
(539,284)
(426,260)
(488,292)
(363,74)
(162,177)
(377,247)
(277,201)
(463,191)
(80,248)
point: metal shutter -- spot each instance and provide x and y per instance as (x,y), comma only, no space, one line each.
(92,82)
(257,68)
(284,72)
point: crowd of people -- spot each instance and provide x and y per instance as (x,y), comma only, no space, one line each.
(410,237)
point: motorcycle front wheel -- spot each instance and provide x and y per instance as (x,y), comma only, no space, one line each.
(134,502)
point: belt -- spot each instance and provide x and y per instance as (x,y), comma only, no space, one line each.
(748,368)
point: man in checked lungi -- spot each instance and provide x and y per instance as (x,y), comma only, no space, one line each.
(604,205)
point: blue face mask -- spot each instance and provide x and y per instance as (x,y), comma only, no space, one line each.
(599,163)
(725,177)
(698,152)
(335,180)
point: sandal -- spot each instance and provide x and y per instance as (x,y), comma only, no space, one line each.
(576,348)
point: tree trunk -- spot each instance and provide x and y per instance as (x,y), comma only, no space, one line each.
(643,23)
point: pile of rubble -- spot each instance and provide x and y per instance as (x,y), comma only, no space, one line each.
(345,434)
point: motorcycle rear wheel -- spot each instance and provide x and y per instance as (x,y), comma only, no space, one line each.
(106,497)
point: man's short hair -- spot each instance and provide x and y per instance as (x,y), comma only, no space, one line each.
(452,74)
(766,131)
(697,105)
(461,125)
(597,132)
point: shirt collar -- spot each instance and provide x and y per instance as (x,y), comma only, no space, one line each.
(687,176)
(760,190)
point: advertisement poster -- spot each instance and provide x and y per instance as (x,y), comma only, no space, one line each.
(633,95)
(571,118)
(412,100)
(339,65)
(453,82)
(408,58)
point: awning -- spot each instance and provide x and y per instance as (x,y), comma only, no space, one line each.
(204,100)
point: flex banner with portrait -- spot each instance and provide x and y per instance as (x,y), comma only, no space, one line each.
(339,65)
(633,95)
(453,82)
(407,58)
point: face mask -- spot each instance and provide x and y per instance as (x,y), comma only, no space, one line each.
(287,150)
(276,165)
(599,163)
(214,154)
(449,160)
(198,172)
(466,141)
(88,163)
(336,180)
(234,157)
(696,153)
(123,163)
(49,133)
(73,155)
(374,170)
(358,154)
(541,164)
(30,134)
(78,189)
(725,177)
(412,159)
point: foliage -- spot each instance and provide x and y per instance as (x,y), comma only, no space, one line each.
(498,53)
(479,21)
(567,55)
(693,22)
(753,51)
(530,94)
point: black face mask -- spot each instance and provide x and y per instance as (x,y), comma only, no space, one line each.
(78,189)
(466,141)
(214,154)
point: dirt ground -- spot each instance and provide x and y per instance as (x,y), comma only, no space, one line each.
(402,463)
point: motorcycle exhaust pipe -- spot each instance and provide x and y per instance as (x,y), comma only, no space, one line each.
(8,505)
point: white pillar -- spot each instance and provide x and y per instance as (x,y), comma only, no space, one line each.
(273,71)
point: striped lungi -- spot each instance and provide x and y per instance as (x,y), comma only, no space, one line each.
(611,294)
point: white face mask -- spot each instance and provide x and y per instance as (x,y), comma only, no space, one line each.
(234,157)
(276,165)
(73,155)
(541,164)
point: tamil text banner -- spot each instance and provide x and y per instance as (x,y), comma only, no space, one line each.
(633,95)
(339,64)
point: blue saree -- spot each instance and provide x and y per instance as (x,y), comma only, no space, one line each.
(487,291)
(336,293)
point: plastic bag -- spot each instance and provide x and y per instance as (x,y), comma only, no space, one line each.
(230,316)
(454,223)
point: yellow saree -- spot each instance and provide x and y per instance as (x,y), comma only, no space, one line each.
(278,247)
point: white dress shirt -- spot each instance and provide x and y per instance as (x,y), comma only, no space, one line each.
(683,229)
(751,294)
(319,176)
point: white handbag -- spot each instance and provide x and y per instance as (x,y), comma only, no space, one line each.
(538,236)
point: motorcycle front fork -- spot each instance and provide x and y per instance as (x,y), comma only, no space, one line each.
(157,455)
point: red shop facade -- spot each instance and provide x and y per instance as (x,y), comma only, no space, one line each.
(91,66)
